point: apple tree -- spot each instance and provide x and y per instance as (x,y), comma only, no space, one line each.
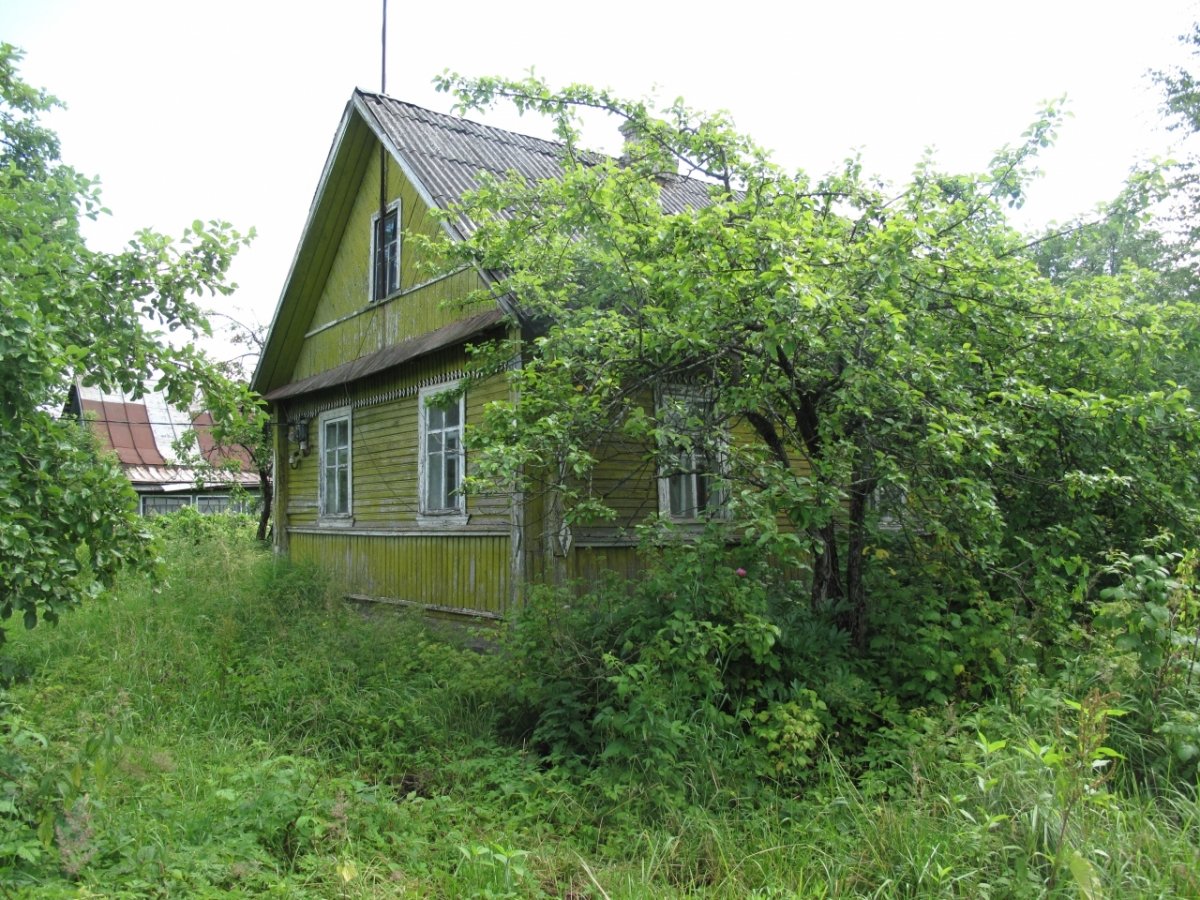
(67,517)
(921,396)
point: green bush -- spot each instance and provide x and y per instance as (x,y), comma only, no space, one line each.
(673,688)
(1146,650)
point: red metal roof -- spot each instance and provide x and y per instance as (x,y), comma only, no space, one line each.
(141,431)
(125,429)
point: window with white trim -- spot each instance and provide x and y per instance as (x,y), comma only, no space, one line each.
(692,465)
(333,429)
(385,253)
(441,461)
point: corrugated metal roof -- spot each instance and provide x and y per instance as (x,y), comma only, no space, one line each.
(125,429)
(181,478)
(448,155)
(394,355)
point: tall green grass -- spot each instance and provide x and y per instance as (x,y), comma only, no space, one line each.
(227,726)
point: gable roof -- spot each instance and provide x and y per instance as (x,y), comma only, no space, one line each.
(141,433)
(443,157)
(446,155)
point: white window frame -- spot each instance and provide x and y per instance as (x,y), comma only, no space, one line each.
(393,208)
(717,506)
(887,502)
(449,516)
(333,416)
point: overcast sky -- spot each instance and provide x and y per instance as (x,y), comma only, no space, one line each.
(226,108)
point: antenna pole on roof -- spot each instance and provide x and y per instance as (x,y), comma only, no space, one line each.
(382,148)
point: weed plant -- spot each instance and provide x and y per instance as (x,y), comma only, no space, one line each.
(229,726)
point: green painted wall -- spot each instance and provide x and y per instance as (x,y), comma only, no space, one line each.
(466,573)
(346,324)
(367,553)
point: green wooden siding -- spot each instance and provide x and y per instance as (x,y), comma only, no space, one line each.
(346,324)
(462,573)
(587,565)
(384,427)
(626,479)
(387,550)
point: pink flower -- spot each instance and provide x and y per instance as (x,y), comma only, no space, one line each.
(740,573)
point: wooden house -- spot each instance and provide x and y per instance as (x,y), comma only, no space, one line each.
(368,472)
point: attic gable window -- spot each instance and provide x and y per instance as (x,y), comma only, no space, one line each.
(385,251)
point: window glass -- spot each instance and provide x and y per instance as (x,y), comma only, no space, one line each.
(214,503)
(335,465)
(159,504)
(387,255)
(693,465)
(442,462)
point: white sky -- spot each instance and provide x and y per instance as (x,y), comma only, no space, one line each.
(226,108)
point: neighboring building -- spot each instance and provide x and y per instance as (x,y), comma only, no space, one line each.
(142,433)
(368,473)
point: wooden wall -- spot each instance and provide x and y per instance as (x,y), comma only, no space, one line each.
(385,549)
(347,324)
(466,574)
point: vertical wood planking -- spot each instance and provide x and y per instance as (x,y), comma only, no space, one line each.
(466,572)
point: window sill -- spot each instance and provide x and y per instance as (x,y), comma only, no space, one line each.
(695,521)
(386,298)
(442,520)
(338,522)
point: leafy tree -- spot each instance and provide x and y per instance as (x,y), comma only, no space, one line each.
(68,522)
(241,423)
(917,390)
(1181,101)
(1154,221)
(1179,215)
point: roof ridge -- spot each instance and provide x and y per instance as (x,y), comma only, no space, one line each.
(451,121)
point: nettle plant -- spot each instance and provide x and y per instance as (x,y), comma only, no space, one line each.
(1150,621)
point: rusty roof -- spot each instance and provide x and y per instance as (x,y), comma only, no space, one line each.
(141,432)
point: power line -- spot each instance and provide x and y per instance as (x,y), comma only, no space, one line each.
(89,418)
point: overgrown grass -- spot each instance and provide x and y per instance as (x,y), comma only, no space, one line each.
(230,727)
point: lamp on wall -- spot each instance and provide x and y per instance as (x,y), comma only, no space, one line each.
(298,435)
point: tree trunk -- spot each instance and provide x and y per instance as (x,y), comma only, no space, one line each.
(266,496)
(827,584)
(856,546)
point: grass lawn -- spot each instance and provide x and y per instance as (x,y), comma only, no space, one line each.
(227,727)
